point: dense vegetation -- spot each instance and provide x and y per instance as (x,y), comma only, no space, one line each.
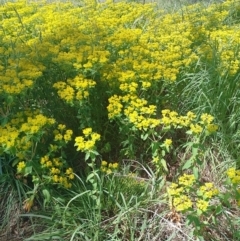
(119,121)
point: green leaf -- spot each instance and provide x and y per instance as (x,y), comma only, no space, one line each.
(28,170)
(189,132)
(47,196)
(193,219)
(198,161)
(195,149)
(199,212)
(15,162)
(4,121)
(144,137)
(195,172)
(188,164)
(90,177)
(87,156)
(218,209)
(155,147)
(164,164)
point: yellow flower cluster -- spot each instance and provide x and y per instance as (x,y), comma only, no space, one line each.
(54,167)
(17,131)
(136,111)
(183,194)
(210,27)
(186,180)
(8,137)
(234,175)
(87,142)
(20,167)
(114,107)
(128,47)
(74,89)
(34,124)
(208,190)
(122,41)
(202,205)
(108,168)
(47,162)
(167,143)
(127,43)
(18,138)
(175,190)
(171,118)
(62,134)
(182,203)
(18,75)
(141,115)
(129,87)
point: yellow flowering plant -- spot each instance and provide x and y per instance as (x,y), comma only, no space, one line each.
(115,68)
(195,200)
(201,202)
(108,168)
(232,194)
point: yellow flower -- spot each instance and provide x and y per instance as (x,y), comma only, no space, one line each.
(231,172)
(146,84)
(57,162)
(69,171)
(104,163)
(168,142)
(55,178)
(202,205)
(208,190)
(206,118)
(54,170)
(212,128)
(109,171)
(87,131)
(71,176)
(186,180)
(89,145)
(80,143)
(68,135)
(44,160)
(95,136)
(103,169)
(67,184)
(21,165)
(191,116)
(155,160)
(58,137)
(175,190)
(182,203)
(61,127)
(196,129)
(115,165)
(48,164)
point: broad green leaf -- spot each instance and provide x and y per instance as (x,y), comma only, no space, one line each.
(195,172)
(164,164)
(47,196)
(187,164)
